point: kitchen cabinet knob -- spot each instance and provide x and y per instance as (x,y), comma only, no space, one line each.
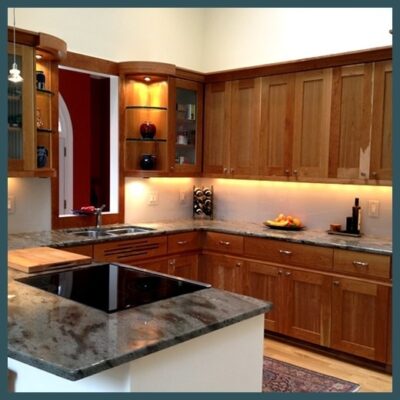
(171,168)
(172,262)
(287,172)
(374,174)
(288,273)
(336,283)
(295,172)
(280,272)
(360,263)
(238,264)
(182,242)
(225,170)
(285,252)
(232,170)
(224,243)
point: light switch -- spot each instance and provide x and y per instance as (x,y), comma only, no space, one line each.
(11,204)
(373,208)
(153,198)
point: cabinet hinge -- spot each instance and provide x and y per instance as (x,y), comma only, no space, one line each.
(65,204)
(65,152)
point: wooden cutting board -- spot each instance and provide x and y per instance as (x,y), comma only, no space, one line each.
(35,259)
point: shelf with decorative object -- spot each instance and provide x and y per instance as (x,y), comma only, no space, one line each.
(145,117)
(33,104)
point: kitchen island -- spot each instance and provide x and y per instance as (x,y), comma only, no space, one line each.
(209,340)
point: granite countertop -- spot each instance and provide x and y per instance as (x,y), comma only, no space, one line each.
(64,238)
(74,341)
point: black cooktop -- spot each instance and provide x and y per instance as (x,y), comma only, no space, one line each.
(112,287)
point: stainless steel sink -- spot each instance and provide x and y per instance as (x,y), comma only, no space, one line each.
(117,231)
(128,230)
(91,233)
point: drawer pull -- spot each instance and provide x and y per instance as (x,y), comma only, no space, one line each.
(286,252)
(336,283)
(288,273)
(225,243)
(182,242)
(238,264)
(280,272)
(360,263)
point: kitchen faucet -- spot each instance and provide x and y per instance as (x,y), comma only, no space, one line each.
(97,212)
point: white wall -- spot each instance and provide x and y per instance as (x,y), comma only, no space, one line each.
(242,37)
(32,197)
(211,39)
(318,205)
(171,35)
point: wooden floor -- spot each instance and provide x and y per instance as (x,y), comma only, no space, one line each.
(369,380)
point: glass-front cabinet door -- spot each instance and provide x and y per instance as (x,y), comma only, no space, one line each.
(188,129)
(20,111)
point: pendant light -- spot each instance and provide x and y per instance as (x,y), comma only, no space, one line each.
(15,73)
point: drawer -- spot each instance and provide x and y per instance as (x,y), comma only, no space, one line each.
(130,250)
(85,250)
(224,243)
(181,242)
(367,265)
(282,252)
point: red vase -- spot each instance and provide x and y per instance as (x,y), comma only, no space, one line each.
(147,130)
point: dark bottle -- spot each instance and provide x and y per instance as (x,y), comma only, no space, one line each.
(356,216)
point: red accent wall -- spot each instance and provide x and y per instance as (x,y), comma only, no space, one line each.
(79,108)
(88,102)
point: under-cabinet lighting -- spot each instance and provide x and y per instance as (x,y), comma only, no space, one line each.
(147,78)
(38,56)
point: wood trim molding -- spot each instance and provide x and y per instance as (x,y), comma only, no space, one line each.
(89,63)
(146,67)
(334,60)
(52,45)
(190,75)
(23,36)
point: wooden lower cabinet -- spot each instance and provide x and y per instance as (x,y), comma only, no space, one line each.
(302,300)
(360,318)
(85,250)
(154,265)
(184,266)
(223,272)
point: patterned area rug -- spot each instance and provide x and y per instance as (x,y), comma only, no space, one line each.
(279,376)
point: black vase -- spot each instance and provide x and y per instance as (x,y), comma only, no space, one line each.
(42,154)
(148,161)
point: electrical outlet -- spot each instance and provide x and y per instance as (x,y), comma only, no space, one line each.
(11,204)
(153,198)
(373,208)
(182,196)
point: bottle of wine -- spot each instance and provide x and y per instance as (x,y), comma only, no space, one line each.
(356,216)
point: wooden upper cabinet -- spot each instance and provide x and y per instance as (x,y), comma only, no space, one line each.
(245,126)
(216,127)
(381,136)
(350,122)
(311,124)
(276,130)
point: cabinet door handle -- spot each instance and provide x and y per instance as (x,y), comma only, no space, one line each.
(287,172)
(171,168)
(286,252)
(374,174)
(360,263)
(232,170)
(223,242)
(280,272)
(172,262)
(182,242)
(288,273)
(225,170)
(295,172)
(336,283)
(238,264)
